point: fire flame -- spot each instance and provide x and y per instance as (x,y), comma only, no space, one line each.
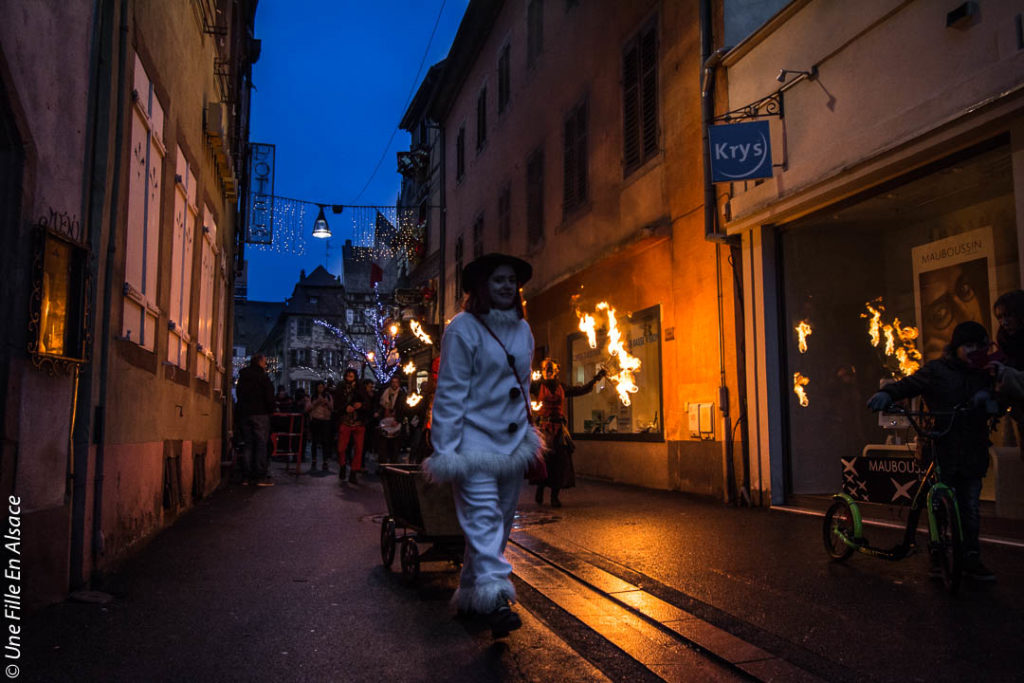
(535,375)
(803,329)
(393,329)
(409,368)
(900,341)
(536,406)
(413,399)
(417,330)
(799,382)
(587,323)
(624,380)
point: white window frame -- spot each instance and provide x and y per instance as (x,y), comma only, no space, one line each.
(142,240)
(186,217)
(208,268)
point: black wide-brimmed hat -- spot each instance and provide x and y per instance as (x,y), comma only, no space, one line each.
(481,268)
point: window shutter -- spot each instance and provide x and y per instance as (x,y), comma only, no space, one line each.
(649,86)
(581,154)
(631,106)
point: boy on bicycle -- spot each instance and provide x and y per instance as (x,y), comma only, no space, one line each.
(958,378)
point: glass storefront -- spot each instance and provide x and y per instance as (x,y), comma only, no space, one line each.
(601,414)
(859,280)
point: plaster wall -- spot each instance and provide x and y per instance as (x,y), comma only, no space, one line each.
(888,71)
(638,242)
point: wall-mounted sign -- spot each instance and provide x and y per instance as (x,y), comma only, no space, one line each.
(740,151)
(259,227)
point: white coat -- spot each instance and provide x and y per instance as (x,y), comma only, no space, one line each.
(480,424)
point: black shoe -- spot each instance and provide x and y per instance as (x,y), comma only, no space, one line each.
(352,477)
(503,621)
(539,497)
(555,503)
(974,569)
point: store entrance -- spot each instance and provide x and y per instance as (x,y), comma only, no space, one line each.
(871,290)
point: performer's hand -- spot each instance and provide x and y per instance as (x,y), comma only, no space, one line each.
(880,401)
(600,373)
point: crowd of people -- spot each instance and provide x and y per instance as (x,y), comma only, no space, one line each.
(346,423)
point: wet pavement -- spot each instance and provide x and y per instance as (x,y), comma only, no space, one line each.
(622,583)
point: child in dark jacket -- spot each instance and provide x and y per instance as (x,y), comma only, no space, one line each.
(959,377)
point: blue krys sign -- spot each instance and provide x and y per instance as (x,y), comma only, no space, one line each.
(740,151)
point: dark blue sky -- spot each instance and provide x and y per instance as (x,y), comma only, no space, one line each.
(331,84)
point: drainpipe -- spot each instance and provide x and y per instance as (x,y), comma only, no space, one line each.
(93,189)
(710,61)
(100,420)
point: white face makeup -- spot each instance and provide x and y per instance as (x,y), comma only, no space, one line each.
(502,287)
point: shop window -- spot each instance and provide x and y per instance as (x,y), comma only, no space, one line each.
(142,240)
(601,414)
(931,250)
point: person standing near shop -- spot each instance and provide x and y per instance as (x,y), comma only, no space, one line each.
(959,379)
(390,412)
(350,401)
(481,432)
(255,404)
(558,445)
(319,410)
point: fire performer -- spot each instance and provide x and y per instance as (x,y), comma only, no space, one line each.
(558,445)
(481,432)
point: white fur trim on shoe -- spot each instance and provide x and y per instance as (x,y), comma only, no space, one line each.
(484,598)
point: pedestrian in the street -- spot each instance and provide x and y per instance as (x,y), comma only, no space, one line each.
(351,402)
(255,404)
(959,378)
(481,432)
(419,422)
(283,403)
(391,413)
(319,412)
(558,445)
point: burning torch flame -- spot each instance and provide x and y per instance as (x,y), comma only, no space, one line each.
(900,341)
(535,406)
(587,325)
(802,330)
(413,400)
(624,380)
(799,382)
(409,368)
(370,356)
(417,330)
(535,375)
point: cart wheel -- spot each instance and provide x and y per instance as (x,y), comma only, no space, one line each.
(838,522)
(387,541)
(410,560)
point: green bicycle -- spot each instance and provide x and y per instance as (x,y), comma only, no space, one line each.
(843,529)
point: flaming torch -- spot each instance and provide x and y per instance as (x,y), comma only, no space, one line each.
(624,380)
(799,382)
(803,329)
(417,330)
(535,406)
(409,368)
(412,400)
(900,340)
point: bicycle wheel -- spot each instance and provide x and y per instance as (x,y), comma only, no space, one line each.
(838,523)
(949,547)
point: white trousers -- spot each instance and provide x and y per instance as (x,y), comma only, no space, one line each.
(486,506)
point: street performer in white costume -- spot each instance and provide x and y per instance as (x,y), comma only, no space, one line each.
(482,435)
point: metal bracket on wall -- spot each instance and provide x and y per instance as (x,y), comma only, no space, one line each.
(769,105)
